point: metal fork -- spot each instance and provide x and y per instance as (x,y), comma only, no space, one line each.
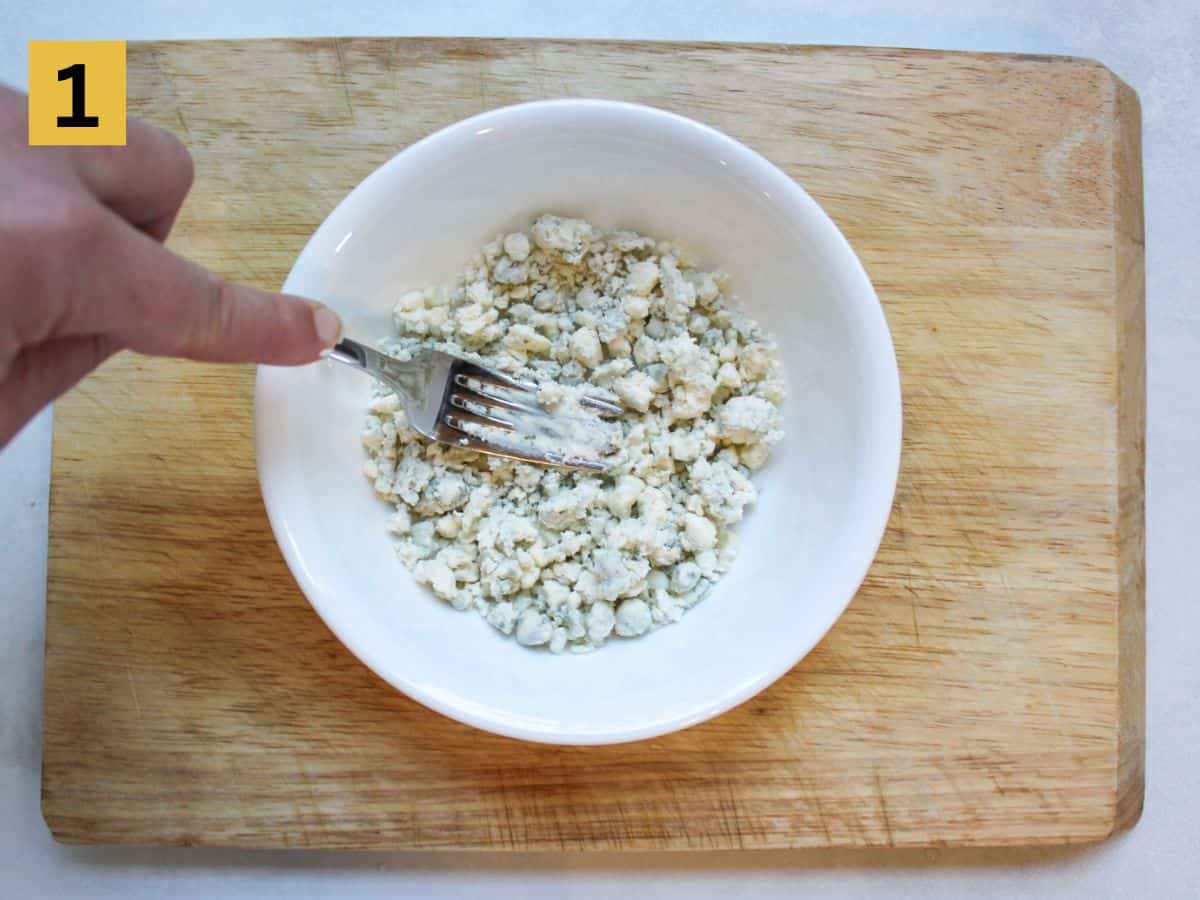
(463,404)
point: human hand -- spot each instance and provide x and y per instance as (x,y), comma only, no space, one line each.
(83,272)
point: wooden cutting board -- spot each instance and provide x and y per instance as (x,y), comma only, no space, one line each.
(985,686)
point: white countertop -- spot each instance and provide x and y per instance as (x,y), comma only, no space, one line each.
(1152,45)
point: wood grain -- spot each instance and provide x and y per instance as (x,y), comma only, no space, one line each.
(986,685)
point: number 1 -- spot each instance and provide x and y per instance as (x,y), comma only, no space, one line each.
(78,118)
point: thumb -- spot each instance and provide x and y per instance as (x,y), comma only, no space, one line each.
(146,298)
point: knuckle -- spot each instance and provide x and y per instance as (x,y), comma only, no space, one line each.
(224,308)
(182,168)
(167,154)
(215,321)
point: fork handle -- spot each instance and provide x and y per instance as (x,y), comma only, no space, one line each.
(352,353)
(400,376)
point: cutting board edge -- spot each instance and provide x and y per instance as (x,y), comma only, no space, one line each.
(1129,273)
(876,50)
(73,831)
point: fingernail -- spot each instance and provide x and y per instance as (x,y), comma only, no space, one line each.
(328,325)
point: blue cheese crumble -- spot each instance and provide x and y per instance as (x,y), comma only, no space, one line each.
(567,560)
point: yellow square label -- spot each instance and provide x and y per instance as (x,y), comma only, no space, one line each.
(76,92)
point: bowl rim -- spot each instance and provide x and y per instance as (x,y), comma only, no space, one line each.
(870,326)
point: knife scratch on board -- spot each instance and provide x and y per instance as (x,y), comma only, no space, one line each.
(133,692)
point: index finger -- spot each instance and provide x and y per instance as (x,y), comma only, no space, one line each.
(129,287)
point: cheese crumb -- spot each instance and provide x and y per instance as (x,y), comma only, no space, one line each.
(585,347)
(516,245)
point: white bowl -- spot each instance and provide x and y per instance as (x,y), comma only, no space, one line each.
(825,494)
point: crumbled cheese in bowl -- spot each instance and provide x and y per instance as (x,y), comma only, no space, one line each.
(568,559)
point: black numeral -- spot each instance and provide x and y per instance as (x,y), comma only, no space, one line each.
(78,118)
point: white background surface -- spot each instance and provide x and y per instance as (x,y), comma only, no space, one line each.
(1152,45)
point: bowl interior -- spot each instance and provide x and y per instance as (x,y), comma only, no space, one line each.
(824,496)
